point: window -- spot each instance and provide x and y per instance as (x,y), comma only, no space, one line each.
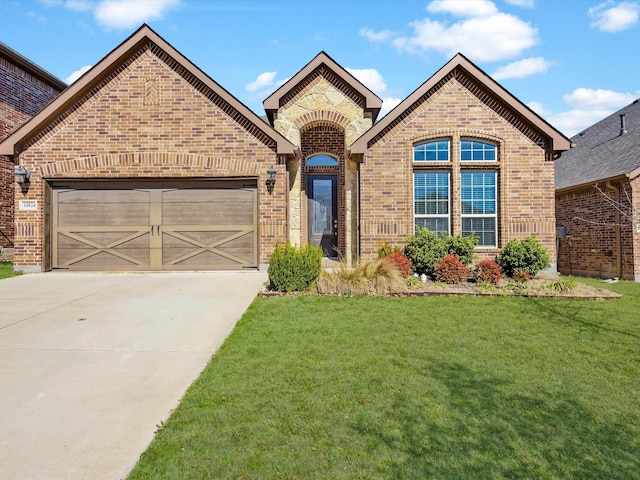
(322,160)
(431,200)
(479,205)
(437,151)
(473,151)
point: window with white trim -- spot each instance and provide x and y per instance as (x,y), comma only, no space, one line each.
(431,200)
(475,151)
(432,151)
(478,192)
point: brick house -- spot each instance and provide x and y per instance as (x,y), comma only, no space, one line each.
(146,163)
(24,89)
(598,199)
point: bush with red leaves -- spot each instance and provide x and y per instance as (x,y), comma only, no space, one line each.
(450,270)
(489,271)
(401,262)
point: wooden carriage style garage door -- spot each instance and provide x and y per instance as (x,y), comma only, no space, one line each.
(197,225)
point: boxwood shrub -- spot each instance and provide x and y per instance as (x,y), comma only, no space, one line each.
(526,255)
(293,269)
(425,249)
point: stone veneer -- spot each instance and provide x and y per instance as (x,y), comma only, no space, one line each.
(322,103)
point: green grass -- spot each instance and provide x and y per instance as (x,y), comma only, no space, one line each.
(6,270)
(447,387)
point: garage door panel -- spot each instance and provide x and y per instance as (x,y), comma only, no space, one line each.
(206,260)
(107,261)
(155,227)
(103,214)
(208,214)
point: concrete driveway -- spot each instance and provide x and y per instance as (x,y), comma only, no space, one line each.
(91,363)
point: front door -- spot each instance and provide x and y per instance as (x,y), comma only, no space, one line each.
(323,213)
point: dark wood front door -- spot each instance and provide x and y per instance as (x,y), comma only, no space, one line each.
(322,192)
(154,226)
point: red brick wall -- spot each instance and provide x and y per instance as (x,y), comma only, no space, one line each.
(21,97)
(592,227)
(525,179)
(167,130)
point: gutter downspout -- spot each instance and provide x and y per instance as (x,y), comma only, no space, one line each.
(616,187)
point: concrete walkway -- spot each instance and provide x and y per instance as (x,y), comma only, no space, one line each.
(91,363)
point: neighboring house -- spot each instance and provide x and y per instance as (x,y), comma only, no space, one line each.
(146,163)
(24,89)
(598,199)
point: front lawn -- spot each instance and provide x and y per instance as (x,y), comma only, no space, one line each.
(6,270)
(444,387)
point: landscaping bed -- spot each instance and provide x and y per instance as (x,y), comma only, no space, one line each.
(537,287)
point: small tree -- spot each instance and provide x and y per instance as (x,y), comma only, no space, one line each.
(526,255)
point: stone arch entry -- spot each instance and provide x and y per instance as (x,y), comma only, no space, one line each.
(324,187)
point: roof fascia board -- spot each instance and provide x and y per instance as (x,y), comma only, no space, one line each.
(583,186)
(31,68)
(559,141)
(372,101)
(104,66)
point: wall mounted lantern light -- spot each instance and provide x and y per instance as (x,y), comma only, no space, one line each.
(271,181)
(22,175)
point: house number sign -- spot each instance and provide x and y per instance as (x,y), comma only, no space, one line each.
(28,205)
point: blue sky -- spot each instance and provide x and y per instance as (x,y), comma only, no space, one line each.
(572,61)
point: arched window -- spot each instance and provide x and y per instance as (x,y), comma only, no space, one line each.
(322,160)
(434,151)
(475,151)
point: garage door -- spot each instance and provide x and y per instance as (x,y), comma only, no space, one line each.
(168,226)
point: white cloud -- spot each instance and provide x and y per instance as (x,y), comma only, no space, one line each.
(492,38)
(589,106)
(609,17)
(463,8)
(78,5)
(522,68)
(262,81)
(381,36)
(372,79)
(121,14)
(598,98)
(77,74)
(522,3)
(388,104)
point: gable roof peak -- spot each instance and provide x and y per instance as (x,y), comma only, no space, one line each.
(520,113)
(107,65)
(372,103)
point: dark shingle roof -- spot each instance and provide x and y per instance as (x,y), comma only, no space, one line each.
(601,152)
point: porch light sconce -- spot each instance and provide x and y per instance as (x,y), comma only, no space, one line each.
(22,175)
(271,181)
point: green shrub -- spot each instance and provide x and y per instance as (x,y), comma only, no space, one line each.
(450,270)
(384,249)
(527,255)
(425,248)
(293,269)
(488,271)
(563,286)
